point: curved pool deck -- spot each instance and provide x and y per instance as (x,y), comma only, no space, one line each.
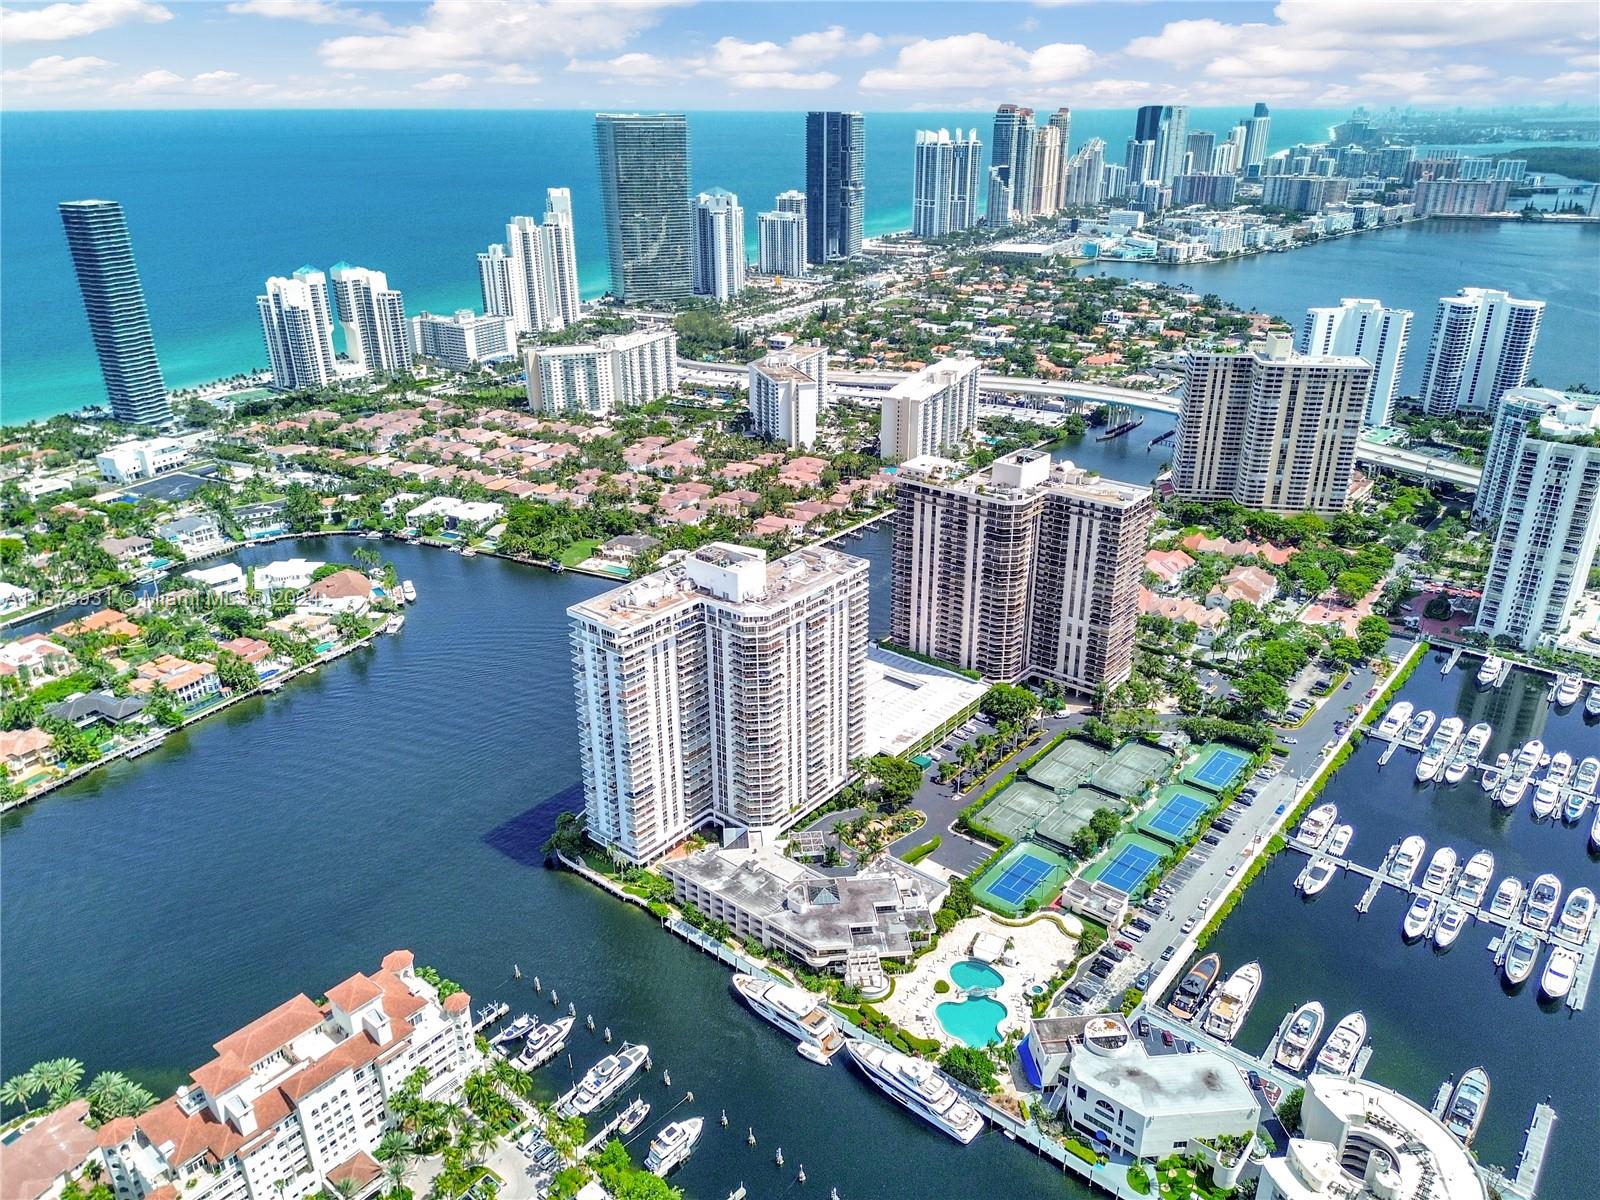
(971,973)
(974,1022)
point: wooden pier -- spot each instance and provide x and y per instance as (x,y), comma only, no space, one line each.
(1534,1143)
(1455,657)
(490,1015)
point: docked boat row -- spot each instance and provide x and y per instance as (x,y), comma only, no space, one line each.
(1395,719)
(1566,787)
(1417,729)
(1316,825)
(1300,1036)
(1468,753)
(1446,740)
(1194,987)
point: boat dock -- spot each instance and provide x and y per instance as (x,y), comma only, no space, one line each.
(1450,664)
(1388,752)
(489,1015)
(1442,1097)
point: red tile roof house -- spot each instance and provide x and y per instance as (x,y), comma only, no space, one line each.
(24,750)
(300,1095)
(37,1162)
(346,590)
(1180,608)
(1167,566)
(1254,585)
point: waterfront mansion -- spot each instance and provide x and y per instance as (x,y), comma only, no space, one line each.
(296,1101)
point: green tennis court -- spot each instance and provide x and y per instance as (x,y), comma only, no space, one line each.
(1126,771)
(1216,766)
(1132,858)
(1068,765)
(1176,812)
(1018,809)
(1071,814)
(1027,871)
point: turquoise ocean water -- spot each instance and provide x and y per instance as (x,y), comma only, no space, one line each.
(218,201)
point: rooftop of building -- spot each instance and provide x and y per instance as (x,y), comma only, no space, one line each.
(1121,1067)
(934,378)
(1022,475)
(58,1143)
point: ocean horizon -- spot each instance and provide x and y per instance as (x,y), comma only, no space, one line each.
(219,200)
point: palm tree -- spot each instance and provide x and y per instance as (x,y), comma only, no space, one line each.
(395,1146)
(394,1174)
(59,1076)
(19,1088)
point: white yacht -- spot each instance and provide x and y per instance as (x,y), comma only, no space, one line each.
(1568,688)
(1546,798)
(1478,739)
(1572,810)
(1594,830)
(543,1044)
(1419,916)
(1475,877)
(1406,860)
(1520,957)
(1417,731)
(1315,824)
(920,1087)
(408,591)
(672,1145)
(1430,763)
(605,1079)
(1464,1113)
(1395,719)
(1512,791)
(1298,1040)
(521,1026)
(1559,969)
(1560,768)
(1591,706)
(633,1116)
(1315,876)
(1576,914)
(1339,839)
(1544,899)
(1490,670)
(1339,1052)
(1440,867)
(1232,1004)
(1495,775)
(1451,918)
(795,1011)
(1528,757)
(1447,735)
(1506,898)
(1456,769)
(1588,774)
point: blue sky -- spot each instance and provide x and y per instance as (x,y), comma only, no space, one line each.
(874,56)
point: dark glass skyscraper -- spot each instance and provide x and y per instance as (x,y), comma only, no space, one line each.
(836,184)
(97,235)
(644,190)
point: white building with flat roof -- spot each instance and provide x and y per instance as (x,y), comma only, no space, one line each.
(1153,1105)
(1367,330)
(226,580)
(787,389)
(618,371)
(464,338)
(456,512)
(723,688)
(932,411)
(781,243)
(142,458)
(1482,346)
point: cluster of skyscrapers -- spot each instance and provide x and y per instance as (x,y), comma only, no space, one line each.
(297,326)
(1025,165)
(532,277)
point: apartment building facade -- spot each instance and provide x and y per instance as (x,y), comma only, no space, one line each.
(934,409)
(617,371)
(724,689)
(787,389)
(1482,346)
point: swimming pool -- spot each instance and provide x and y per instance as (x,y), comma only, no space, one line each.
(970,973)
(974,1022)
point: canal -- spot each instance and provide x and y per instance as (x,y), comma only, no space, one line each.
(1434,1014)
(399,797)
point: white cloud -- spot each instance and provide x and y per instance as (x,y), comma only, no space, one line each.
(215,81)
(452,82)
(976,60)
(457,33)
(53,73)
(782,81)
(514,74)
(312,12)
(153,81)
(55,22)
(633,67)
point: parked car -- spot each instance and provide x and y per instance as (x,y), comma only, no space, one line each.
(1140,924)
(1166,1037)
(1255,1079)
(1143,1027)
(1233,869)
(1123,944)
(1166,955)
(1188,925)
(1113,953)
(1211,839)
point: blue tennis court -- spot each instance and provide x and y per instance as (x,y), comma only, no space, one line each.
(1218,768)
(1177,816)
(1021,877)
(1128,866)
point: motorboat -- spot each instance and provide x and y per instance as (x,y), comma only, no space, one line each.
(1456,769)
(395,623)
(408,591)
(1489,672)
(1528,757)
(1339,839)
(812,1053)
(1546,798)
(1447,735)
(1512,791)
(1298,1040)
(521,1026)
(1406,860)
(1428,766)
(1192,990)
(1493,776)
(1506,898)
(1559,969)
(1576,915)
(633,1116)
(1591,706)
(1464,1112)
(1594,831)
(1560,769)
(1572,810)
(1587,776)
(1339,1053)
(1416,732)
(794,1010)
(605,1079)
(1521,954)
(1475,877)
(920,1086)
(1440,867)
(1315,877)
(1451,918)
(1544,899)
(1419,916)
(1568,688)
(1395,719)
(673,1145)
(1315,824)
(1232,1003)
(544,1044)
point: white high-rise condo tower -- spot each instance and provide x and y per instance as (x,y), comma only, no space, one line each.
(536,283)
(298,330)
(719,262)
(1482,346)
(781,243)
(1548,481)
(787,387)
(934,410)
(946,182)
(1367,330)
(1270,429)
(722,689)
(373,317)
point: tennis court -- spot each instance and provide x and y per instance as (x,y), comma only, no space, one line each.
(1127,771)
(1176,812)
(1216,767)
(1070,814)
(1018,809)
(1068,765)
(1128,863)
(1026,871)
